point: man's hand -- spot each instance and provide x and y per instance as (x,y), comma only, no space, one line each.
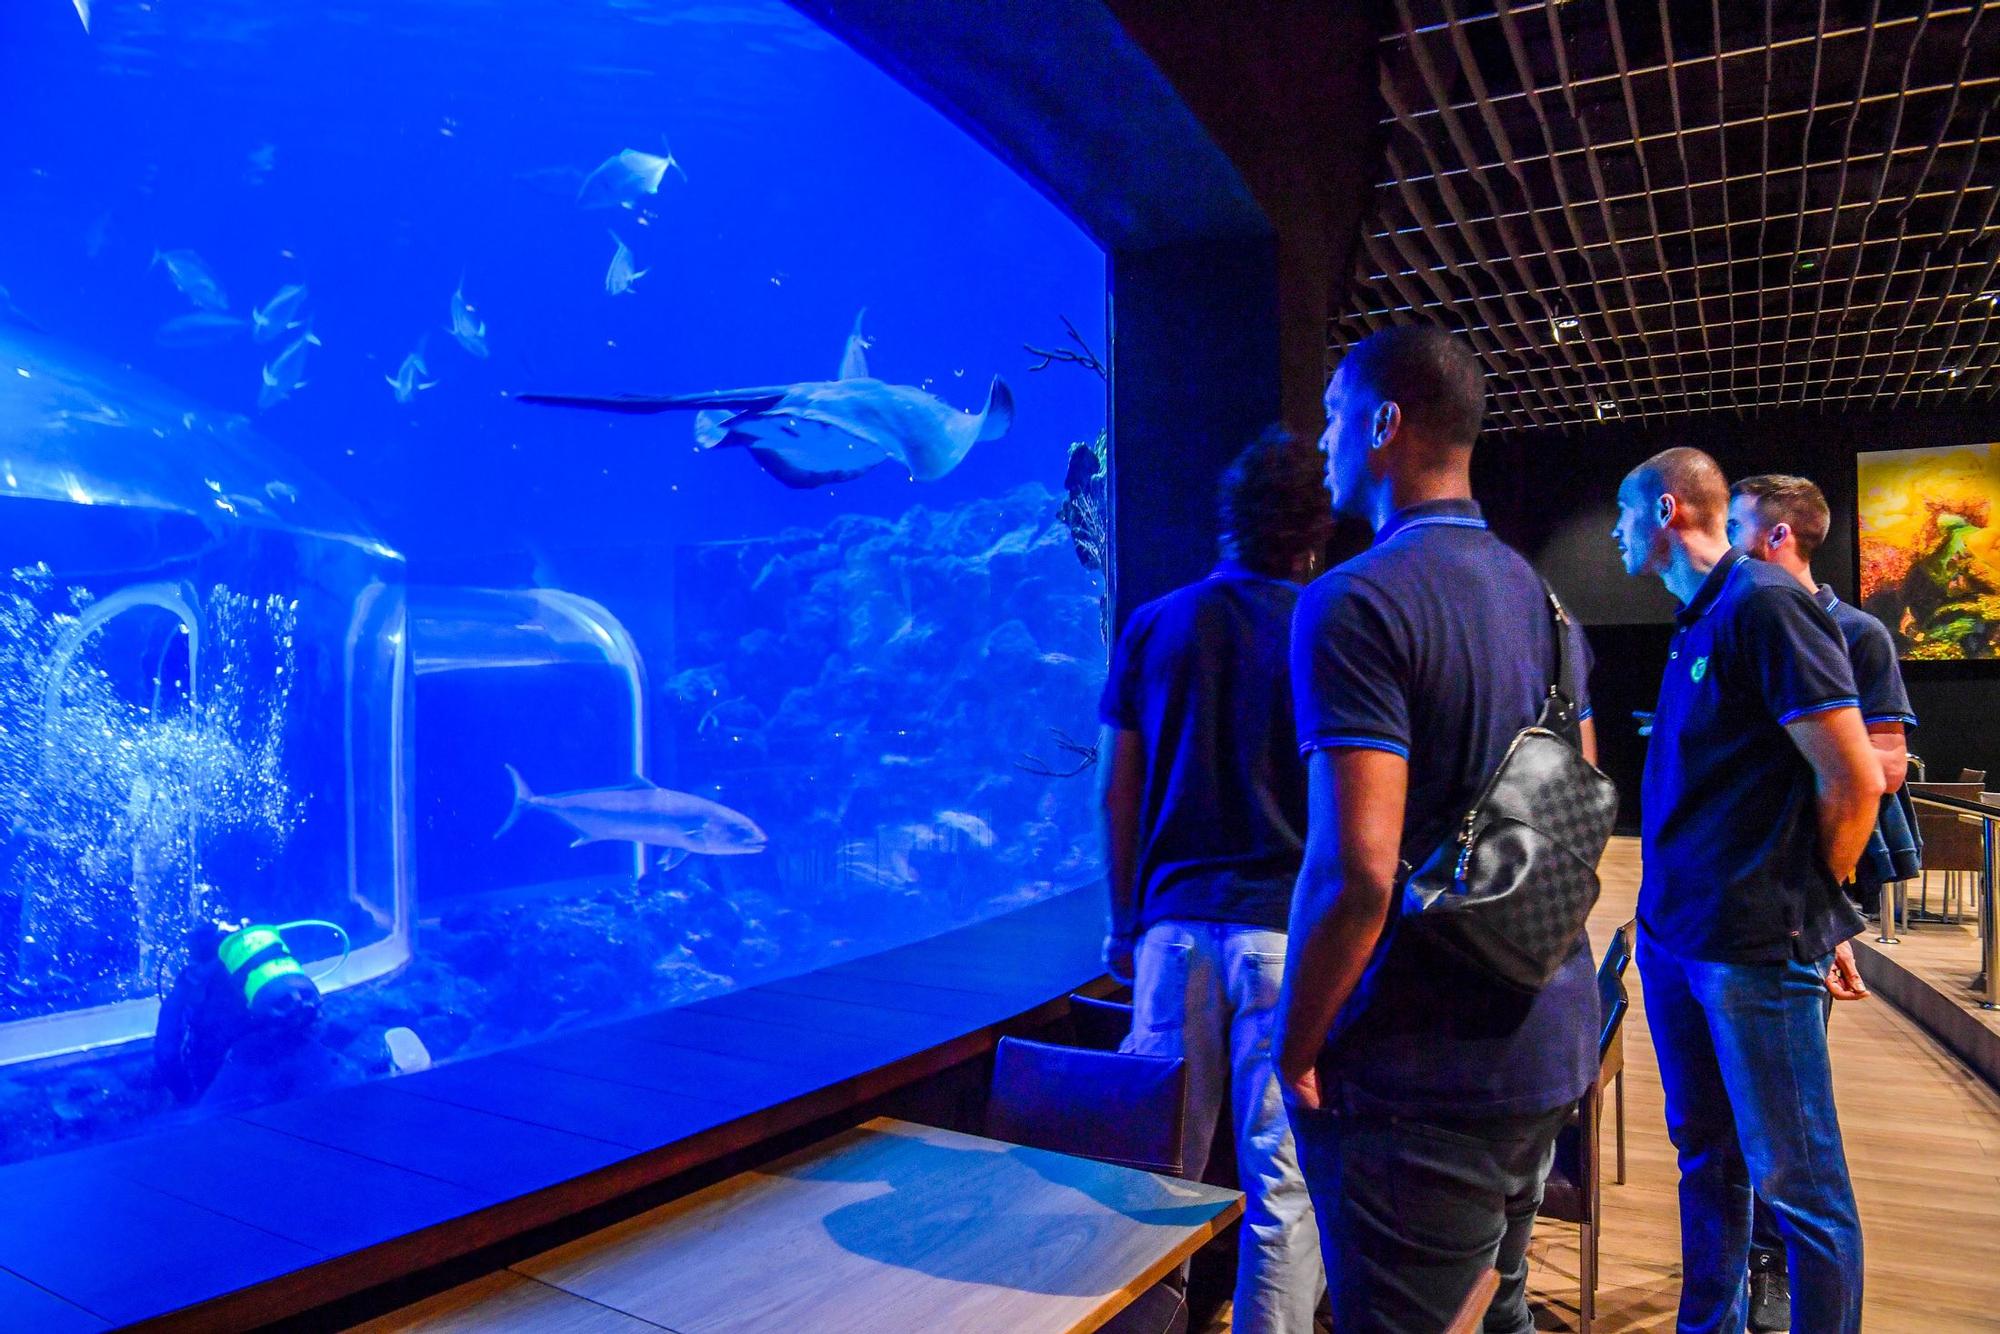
(1843,976)
(1118,952)
(1300,1090)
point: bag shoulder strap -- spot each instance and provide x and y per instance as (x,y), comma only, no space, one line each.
(1559,713)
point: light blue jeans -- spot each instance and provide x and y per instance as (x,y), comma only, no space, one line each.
(1208,993)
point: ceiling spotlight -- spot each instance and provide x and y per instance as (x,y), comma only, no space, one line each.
(1988,298)
(1951,372)
(1606,408)
(1807,265)
(1568,322)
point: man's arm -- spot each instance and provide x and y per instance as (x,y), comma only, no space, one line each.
(1587,739)
(1848,783)
(1346,887)
(1893,751)
(1121,786)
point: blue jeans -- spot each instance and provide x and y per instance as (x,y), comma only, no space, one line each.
(1749,1089)
(1207,992)
(1767,1239)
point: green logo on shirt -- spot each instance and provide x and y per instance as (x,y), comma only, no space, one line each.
(1699,670)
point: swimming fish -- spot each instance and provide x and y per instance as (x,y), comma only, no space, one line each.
(201,328)
(13,312)
(621,275)
(825,431)
(405,381)
(287,372)
(275,317)
(189,274)
(95,235)
(642,813)
(974,828)
(467,328)
(621,178)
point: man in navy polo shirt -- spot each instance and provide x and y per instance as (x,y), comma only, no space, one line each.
(1783,519)
(1760,792)
(1425,1098)
(1205,804)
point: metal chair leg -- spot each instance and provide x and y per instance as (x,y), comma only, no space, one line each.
(1885,903)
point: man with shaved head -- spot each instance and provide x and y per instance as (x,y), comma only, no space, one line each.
(1760,791)
(1425,1097)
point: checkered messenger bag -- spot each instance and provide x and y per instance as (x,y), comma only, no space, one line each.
(1509,891)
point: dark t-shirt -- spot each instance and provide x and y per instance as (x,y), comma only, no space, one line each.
(1202,676)
(1731,828)
(1878,681)
(1437,644)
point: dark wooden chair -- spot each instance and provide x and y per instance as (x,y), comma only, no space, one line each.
(1952,846)
(1100,1025)
(1471,1315)
(1111,1106)
(1972,776)
(1611,1047)
(1575,1189)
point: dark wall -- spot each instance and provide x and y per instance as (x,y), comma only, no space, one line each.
(1223,156)
(1172,427)
(1552,496)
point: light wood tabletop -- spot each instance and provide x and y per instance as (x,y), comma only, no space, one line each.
(890,1226)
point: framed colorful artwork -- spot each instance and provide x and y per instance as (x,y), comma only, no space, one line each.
(1929,548)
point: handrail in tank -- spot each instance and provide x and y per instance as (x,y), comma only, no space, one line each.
(561,618)
(176,600)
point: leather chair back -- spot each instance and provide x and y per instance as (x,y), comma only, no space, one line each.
(1111,1106)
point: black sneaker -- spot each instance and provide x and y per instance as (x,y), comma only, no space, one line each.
(1770,1301)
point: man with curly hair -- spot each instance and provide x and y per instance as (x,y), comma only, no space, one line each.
(1205,809)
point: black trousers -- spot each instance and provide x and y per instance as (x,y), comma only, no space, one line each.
(1412,1212)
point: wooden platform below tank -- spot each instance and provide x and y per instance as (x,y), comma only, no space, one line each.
(249,1218)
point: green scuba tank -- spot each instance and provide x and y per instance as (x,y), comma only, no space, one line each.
(239,982)
(259,962)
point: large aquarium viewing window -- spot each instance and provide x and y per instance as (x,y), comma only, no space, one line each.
(511,516)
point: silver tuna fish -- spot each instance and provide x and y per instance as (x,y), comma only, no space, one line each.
(641,812)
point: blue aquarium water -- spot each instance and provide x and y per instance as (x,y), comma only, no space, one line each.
(548,504)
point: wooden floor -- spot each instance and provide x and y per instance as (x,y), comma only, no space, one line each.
(1923,1144)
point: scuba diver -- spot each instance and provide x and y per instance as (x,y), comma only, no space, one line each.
(243,1002)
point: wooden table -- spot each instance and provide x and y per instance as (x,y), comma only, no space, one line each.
(884,1228)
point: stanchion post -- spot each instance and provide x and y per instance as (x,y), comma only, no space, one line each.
(1989,931)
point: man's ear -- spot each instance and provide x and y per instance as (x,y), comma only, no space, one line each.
(1388,419)
(1778,535)
(1667,507)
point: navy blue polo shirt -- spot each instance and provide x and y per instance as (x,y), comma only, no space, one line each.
(1437,645)
(1732,866)
(1202,676)
(1878,682)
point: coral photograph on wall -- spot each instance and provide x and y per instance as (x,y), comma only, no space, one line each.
(1930,549)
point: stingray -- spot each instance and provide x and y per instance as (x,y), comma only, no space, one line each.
(824,431)
(623,177)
